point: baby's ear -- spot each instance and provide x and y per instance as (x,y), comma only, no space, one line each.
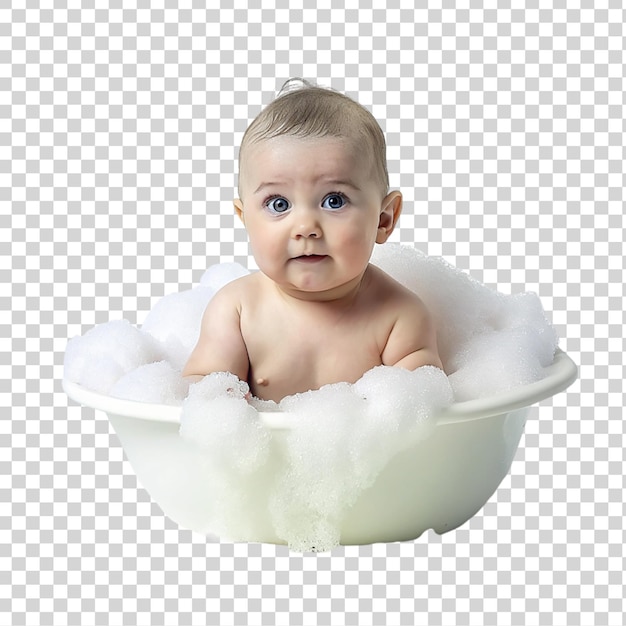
(390,210)
(239,209)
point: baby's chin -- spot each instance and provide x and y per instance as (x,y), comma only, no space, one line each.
(321,292)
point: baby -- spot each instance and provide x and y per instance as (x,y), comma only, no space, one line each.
(314,198)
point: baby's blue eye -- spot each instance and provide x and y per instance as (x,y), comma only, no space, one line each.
(334,201)
(277,204)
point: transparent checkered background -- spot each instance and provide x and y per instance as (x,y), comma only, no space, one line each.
(119,129)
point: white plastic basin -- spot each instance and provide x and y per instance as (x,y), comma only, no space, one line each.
(439,483)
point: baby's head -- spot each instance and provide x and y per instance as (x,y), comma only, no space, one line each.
(305,111)
(313,187)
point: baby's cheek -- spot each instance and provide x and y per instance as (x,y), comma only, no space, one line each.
(357,244)
(260,246)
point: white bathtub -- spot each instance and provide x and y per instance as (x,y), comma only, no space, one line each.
(439,483)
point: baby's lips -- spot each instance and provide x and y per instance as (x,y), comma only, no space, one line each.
(311,256)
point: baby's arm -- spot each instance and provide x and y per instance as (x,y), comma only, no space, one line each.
(220,347)
(413,339)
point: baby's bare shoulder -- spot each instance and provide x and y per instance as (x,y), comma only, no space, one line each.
(412,338)
(228,301)
(238,290)
(395,296)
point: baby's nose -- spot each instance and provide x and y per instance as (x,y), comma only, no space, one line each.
(307,226)
(308,233)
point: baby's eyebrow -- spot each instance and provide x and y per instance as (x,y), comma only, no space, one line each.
(342,183)
(264,185)
(334,182)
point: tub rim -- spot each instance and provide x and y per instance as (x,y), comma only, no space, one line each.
(559,375)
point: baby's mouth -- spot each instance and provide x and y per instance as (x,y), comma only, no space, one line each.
(310,258)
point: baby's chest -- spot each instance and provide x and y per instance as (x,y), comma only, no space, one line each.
(325,353)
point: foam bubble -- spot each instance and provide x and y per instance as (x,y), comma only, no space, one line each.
(100,357)
(174,321)
(342,437)
(157,383)
(217,385)
(339,438)
(320,482)
(524,311)
(488,341)
(460,305)
(217,419)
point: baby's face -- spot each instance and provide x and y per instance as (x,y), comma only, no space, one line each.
(313,210)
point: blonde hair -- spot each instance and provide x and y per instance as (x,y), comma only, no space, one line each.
(302,109)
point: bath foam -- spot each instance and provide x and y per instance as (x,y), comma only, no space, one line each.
(185,309)
(342,435)
(340,438)
(110,351)
(107,352)
(489,342)
(174,321)
(218,421)
(158,382)
(479,329)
